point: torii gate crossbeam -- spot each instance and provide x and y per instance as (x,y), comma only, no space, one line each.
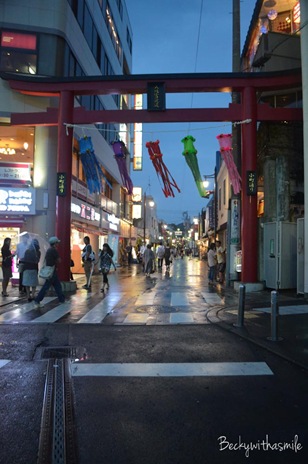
(247,84)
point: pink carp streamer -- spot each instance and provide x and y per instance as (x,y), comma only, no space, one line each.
(225,143)
(120,152)
(161,169)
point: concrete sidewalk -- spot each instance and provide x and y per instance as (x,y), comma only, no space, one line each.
(291,337)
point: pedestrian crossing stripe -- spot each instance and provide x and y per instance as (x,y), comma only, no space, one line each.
(20,310)
(105,306)
(3,362)
(170,369)
(101,310)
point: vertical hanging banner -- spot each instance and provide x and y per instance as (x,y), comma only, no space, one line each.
(156,96)
(251,183)
(61,184)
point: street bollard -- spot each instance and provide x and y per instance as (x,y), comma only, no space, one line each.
(274,317)
(241,306)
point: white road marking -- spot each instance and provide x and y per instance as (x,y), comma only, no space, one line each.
(211,298)
(55,314)
(145,299)
(22,309)
(181,318)
(3,362)
(179,299)
(170,369)
(100,311)
(136,318)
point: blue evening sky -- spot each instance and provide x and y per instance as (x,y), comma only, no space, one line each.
(165,40)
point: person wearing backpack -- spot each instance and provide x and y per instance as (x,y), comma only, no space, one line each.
(88,258)
(105,264)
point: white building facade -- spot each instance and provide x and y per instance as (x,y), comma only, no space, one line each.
(62,39)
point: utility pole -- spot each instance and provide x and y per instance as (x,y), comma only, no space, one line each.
(234,240)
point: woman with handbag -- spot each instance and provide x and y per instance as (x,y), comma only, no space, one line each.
(7,258)
(30,268)
(52,259)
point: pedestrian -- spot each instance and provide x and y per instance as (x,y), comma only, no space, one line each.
(211,262)
(52,258)
(88,259)
(168,259)
(20,253)
(129,251)
(141,253)
(7,260)
(30,268)
(105,264)
(160,253)
(72,264)
(221,261)
(148,260)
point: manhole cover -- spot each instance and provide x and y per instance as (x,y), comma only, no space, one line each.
(153,309)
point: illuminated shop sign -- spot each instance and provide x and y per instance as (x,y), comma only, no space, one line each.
(17,201)
(18,40)
(297,13)
(113,222)
(85,211)
(15,172)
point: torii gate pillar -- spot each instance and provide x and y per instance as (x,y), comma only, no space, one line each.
(249,220)
(63,203)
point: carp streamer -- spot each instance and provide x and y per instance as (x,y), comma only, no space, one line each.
(225,143)
(120,153)
(91,167)
(161,169)
(190,154)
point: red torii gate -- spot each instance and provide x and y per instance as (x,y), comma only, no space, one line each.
(247,84)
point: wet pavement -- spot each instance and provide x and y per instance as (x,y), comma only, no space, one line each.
(180,296)
(158,367)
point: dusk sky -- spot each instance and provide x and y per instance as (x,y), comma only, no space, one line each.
(165,40)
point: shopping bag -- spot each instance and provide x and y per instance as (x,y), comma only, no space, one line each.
(46,272)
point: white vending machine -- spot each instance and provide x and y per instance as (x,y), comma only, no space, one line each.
(280,255)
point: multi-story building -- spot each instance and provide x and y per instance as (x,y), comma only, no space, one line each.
(273,44)
(62,39)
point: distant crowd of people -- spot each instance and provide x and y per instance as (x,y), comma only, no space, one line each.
(28,254)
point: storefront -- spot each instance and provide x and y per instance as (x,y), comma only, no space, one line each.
(16,203)
(100,226)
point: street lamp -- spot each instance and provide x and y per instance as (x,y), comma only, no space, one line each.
(151,204)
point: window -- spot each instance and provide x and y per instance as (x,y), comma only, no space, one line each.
(88,26)
(129,40)
(113,32)
(18,52)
